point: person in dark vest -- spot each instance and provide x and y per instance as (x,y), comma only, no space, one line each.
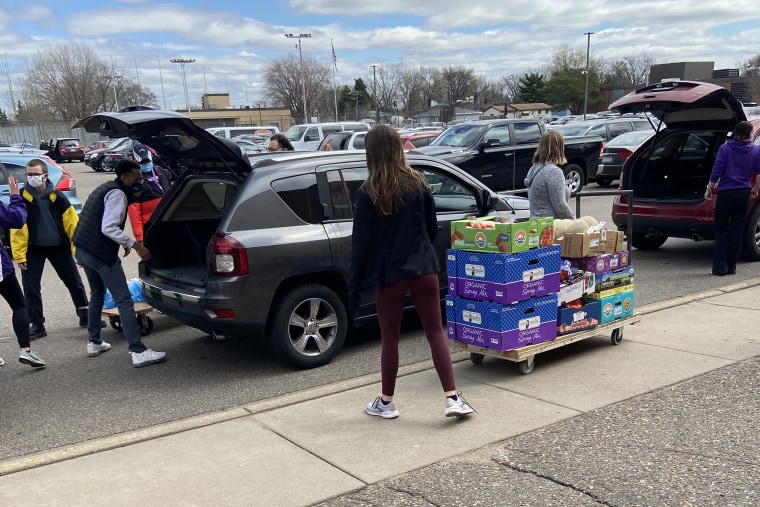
(46,235)
(97,239)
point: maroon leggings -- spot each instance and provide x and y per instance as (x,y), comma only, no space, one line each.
(390,307)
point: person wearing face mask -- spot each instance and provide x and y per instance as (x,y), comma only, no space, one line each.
(154,187)
(97,239)
(46,235)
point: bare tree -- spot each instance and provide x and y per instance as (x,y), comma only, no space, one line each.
(431,84)
(285,84)
(410,87)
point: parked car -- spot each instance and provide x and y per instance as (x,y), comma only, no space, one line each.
(261,246)
(66,148)
(96,145)
(310,134)
(249,147)
(500,152)
(418,139)
(14,164)
(344,140)
(669,172)
(606,129)
(615,152)
(94,158)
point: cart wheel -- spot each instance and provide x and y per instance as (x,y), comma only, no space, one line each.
(526,366)
(617,336)
(146,325)
(476,358)
(115,323)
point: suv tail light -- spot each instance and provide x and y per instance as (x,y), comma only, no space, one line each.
(601,150)
(66,182)
(228,256)
(624,154)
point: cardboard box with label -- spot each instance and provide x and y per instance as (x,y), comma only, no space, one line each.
(508,278)
(507,327)
(611,279)
(602,263)
(575,288)
(487,235)
(613,242)
(613,303)
(570,320)
(578,245)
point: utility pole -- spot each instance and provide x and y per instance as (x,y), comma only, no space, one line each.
(374,92)
(588,49)
(303,76)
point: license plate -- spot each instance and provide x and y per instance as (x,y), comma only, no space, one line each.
(606,159)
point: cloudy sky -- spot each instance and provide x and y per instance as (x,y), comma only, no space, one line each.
(233,40)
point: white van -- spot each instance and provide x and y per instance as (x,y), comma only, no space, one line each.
(308,135)
(230,132)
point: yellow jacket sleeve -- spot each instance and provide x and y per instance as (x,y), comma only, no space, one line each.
(70,221)
(19,243)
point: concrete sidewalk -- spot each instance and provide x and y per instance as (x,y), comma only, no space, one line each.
(590,425)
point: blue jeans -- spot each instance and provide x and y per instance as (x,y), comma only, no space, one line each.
(102,276)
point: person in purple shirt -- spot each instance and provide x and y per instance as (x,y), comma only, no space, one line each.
(13,216)
(737,162)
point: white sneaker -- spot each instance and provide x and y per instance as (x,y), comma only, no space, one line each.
(458,407)
(147,357)
(2,361)
(95,349)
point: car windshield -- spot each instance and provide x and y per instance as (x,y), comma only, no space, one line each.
(459,136)
(295,133)
(572,130)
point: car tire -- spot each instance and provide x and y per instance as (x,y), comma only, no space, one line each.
(643,242)
(603,182)
(308,326)
(751,241)
(574,177)
(98,166)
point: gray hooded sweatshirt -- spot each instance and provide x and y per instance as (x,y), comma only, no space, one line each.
(547,192)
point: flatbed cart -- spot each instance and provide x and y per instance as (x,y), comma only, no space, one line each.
(524,356)
(142,309)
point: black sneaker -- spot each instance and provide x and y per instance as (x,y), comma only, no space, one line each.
(83,321)
(37,331)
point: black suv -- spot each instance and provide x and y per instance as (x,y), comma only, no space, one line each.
(606,129)
(243,246)
(66,148)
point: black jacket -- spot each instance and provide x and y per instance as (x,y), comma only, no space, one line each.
(390,248)
(88,235)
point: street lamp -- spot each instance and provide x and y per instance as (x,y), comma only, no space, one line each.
(182,62)
(588,48)
(374,92)
(303,76)
(258,105)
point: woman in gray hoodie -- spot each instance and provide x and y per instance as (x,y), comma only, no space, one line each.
(547,192)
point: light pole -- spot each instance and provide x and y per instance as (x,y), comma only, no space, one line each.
(258,105)
(374,92)
(303,76)
(182,62)
(246,94)
(588,48)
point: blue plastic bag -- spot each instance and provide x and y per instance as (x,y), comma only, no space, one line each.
(135,290)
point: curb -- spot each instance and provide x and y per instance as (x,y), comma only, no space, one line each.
(78,450)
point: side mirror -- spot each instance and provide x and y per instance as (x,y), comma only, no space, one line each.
(490,143)
(306,139)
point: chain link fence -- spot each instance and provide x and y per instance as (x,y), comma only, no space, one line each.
(33,133)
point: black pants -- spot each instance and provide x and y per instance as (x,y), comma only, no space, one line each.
(63,262)
(730,216)
(11,292)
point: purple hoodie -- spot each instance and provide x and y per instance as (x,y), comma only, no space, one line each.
(12,216)
(735,164)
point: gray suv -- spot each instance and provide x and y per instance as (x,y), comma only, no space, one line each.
(262,246)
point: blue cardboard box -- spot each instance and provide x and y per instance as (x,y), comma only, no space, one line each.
(451,325)
(614,303)
(506,327)
(570,320)
(508,278)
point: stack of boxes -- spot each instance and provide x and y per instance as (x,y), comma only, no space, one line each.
(598,256)
(503,283)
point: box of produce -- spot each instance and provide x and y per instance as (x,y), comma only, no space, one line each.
(615,278)
(614,303)
(490,234)
(572,319)
(602,263)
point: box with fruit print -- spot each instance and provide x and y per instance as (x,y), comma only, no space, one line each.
(614,303)
(489,234)
(507,278)
(602,263)
(572,319)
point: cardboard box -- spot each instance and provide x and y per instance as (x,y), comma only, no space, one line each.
(486,235)
(614,303)
(506,327)
(451,262)
(602,263)
(508,278)
(578,245)
(451,324)
(570,320)
(575,288)
(614,242)
(612,279)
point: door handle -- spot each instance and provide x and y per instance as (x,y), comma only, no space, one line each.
(508,154)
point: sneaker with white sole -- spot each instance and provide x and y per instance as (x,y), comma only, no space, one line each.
(30,358)
(381,409)
(147,357)
(458,407)
(2,361)
(95,349)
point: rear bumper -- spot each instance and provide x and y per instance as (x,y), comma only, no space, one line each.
(670,227)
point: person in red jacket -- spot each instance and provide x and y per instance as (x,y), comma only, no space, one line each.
(154,187)
(392,255)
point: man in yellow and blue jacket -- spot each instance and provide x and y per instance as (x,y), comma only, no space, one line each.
(47,234)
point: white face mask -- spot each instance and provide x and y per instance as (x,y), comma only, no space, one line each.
(35,181)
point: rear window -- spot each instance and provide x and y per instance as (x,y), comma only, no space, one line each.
(527,133)
(301,195)
(70,142)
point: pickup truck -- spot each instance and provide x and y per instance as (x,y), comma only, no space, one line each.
(500,152)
